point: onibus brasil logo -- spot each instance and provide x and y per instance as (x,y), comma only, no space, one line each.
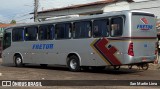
(145,25)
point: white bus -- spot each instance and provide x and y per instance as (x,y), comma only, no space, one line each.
(111,39)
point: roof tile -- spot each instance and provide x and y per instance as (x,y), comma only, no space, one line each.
(5,25)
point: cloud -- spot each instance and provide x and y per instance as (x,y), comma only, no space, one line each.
(11,9)
(3,19)
(15,4)
(16,9)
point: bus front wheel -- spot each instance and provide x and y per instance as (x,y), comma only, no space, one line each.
(18,61)
(73,63)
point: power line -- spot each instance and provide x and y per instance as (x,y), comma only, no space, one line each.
(48,3)
(23,19)
(20,16)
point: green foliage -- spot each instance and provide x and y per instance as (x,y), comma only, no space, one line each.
(13,22)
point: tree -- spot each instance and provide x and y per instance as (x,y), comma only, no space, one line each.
(13,22)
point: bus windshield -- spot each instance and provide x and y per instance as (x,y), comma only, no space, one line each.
(6,40)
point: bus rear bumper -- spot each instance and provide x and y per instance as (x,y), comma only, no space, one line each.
(140,59)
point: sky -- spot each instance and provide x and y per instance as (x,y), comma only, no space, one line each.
(19,9)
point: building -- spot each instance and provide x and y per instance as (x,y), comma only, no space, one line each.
(102,6)
(2,26)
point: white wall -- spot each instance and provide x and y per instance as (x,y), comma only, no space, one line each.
(116,7)
(152,6)
(75,11)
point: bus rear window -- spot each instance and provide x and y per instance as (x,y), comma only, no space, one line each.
(143,14)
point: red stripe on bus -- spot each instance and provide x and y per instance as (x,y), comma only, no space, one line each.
(108,53)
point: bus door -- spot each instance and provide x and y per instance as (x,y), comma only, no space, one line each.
(6,40)
(6,45)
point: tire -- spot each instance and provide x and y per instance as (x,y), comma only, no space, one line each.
(130,66)
(73,64)
(145,66)
(116,67)
(18,61)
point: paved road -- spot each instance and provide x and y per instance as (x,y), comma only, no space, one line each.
(35,72)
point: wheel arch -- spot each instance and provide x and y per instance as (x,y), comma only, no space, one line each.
(73,53)
(15,54)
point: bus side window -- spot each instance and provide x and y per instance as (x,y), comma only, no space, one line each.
(116,26)
(42,33)
(18,34)
(100,28)
(63,30)
(31,33)
(52,32)
(45,32)
(69,28)
(73,31)
(82,29)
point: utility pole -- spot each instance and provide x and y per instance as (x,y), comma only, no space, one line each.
(36,2)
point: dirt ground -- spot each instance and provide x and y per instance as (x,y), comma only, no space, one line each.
(35,72)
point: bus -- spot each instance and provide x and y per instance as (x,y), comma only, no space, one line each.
(94,42)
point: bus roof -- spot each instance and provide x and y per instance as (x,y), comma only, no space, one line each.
(115,13)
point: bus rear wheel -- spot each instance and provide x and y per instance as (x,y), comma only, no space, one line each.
(130,66)
(18,61)
(73,64)
(116,67)
(145,66)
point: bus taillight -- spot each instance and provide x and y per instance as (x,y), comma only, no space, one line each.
(130,49)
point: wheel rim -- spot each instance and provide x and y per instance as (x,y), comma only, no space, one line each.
(73,64)
(18,61)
